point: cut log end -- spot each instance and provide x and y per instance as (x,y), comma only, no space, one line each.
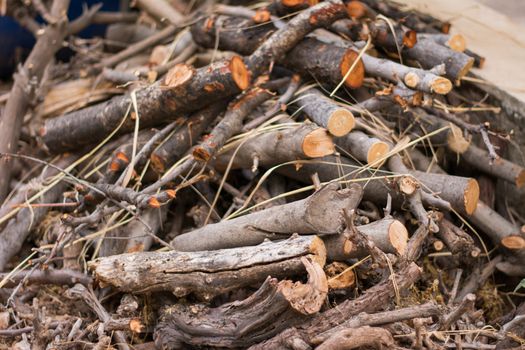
(514,242)
(411,79)
(410,39)
(441,86)
(240,73)
(377,151)
(341,122)
(343,280)
(292,3)
(466,68)
(398,236)
(457,42)
(356,9)
(179,75)
(520,179)
(471,196)
(357,75)
(318,143)
(318,250)
(157,163)
(456,141)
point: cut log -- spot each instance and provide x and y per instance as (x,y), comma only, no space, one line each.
(501,168)
(456,42)
(302,142)
(323,111)
(462,193)
(500,230)
(326,63)
(430,54)
(388,234)
(321,213)
(207,273)
(363,147)
(184,89)
(242,323)
(340,276)
(423,80)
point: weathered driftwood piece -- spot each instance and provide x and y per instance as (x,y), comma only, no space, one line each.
(380,318)
(181,141)
(501,168)
(323,111)
(388,234)
(430,54)
(24,87)
(184,89)
(353,338)
(363,147)
(302,142)
(242,323)
(321,213)
(374,299)
(207,273)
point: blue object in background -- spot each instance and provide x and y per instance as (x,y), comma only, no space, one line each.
(16,42)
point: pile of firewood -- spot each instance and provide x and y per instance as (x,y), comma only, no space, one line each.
(285,174)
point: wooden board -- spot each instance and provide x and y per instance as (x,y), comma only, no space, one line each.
(494,36)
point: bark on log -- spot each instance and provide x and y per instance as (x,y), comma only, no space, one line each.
(456,42)
(183,90)
(501,168)
(461,192)
(323,111)
(374,299)
(242,323)
(181,141)
(321,213)
(302,142)
(207,273)
(430,54)
(388,234)
(363,147)
(326,63)
(500,230)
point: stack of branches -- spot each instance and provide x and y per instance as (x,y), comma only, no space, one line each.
(287,174)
